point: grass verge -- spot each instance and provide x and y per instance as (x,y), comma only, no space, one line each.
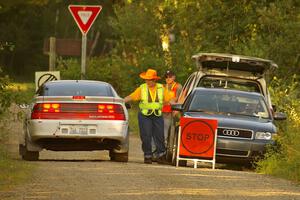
(12,172)
(284,162)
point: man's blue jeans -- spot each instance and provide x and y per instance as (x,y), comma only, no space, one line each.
(152,126)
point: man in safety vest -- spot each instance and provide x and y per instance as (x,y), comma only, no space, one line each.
(151,124)
(173,90)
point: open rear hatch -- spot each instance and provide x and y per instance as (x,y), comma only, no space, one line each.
(228,62)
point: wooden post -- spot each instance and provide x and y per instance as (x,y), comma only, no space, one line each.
(52,53)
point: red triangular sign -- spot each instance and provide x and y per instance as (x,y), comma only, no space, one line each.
(84,16)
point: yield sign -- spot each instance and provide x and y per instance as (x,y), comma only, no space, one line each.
(84,15)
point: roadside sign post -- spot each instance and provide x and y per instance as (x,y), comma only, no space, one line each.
(197,139)
(83,56)
(84,16)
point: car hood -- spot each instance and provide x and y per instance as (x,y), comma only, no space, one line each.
(238,122)
(232,62)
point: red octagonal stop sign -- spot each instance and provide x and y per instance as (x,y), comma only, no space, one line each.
(197,137)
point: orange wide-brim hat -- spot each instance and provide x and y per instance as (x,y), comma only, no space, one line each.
(149,75)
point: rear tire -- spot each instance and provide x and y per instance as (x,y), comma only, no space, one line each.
(170,144)
(28,155)
(118,157)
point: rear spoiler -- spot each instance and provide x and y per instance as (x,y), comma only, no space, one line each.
(87,98)
(233,62)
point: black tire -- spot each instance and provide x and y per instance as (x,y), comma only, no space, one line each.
(169,146)
(170,143)
(174,149)
(118,157)
(182,163)
(28,155)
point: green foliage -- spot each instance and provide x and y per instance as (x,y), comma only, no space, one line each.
(23,92)
(69,69)
(285,161)
(10,95)
(110,69)
(11,171)
(5,94)
(133,119)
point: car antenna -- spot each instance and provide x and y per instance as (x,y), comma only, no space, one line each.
(227,72)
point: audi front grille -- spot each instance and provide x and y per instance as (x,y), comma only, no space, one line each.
(235,133)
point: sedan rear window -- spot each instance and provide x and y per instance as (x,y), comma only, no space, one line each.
(75,89)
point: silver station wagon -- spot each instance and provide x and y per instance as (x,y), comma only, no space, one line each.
(76,115)
(236,72)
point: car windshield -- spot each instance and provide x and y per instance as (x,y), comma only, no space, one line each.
(75,89)
(229,83)
(230,103)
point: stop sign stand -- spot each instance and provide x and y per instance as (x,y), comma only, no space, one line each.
(197,139)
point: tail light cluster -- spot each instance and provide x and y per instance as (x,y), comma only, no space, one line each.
(85,111)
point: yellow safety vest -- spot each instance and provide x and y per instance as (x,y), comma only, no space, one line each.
(148,105)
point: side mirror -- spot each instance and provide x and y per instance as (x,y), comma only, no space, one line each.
(279,116)
(177,107)
(23,106)
(127,105)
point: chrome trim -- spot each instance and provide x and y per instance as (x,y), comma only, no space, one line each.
(252,136)
(231,132)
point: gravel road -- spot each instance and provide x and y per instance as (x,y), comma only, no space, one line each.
(90,175)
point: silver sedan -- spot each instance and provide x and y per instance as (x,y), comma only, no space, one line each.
(76,115)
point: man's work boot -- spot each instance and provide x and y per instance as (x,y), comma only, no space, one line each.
(148,160)
(162,160)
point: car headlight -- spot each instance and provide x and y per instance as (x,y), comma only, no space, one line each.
(263,135)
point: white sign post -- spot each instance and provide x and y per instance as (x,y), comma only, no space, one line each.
(84,16)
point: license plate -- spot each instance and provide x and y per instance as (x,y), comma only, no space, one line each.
(80,130)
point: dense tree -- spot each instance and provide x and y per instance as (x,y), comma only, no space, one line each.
(267,29)
(25,25)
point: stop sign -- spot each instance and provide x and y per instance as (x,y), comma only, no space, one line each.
(197,137)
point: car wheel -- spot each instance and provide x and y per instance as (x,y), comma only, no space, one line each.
(28,155)
(182,163)
(170,144)
(118,157)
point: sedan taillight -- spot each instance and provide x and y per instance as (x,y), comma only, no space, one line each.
(86,111)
